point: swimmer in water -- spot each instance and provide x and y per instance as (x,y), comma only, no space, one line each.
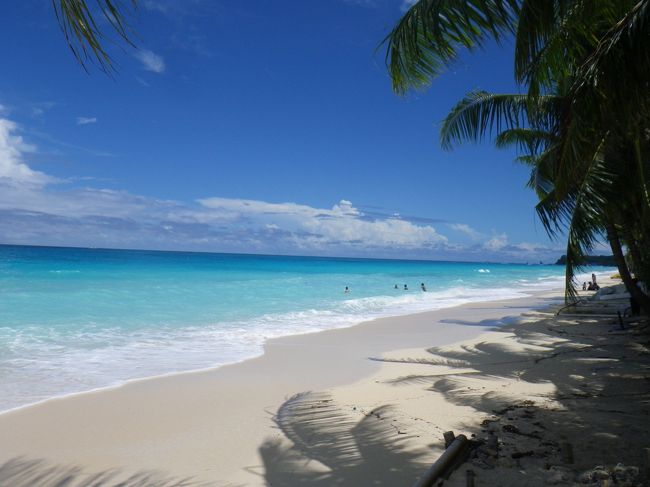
(423,287)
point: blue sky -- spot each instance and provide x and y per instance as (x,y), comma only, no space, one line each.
(264,126)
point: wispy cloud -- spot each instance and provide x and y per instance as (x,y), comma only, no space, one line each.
(364,3)
(190,38)
(466,229)
(151,61)
(156,6)
(66,145)
(142,82)
(39,109)
(86,120)
(180,9)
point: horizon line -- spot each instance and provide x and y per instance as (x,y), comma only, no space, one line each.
(271,255)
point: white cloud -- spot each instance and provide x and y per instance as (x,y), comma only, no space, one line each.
(466,229)
(497,242)
(32,210)
(151,61)
(96,217)
(528,247)
(12,150)
(343,224)
(86,120)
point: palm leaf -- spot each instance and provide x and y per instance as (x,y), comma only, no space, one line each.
(553,36)
(624,45)
(524,139)
(580,213)
(428,37)
(481,112)
(82,33)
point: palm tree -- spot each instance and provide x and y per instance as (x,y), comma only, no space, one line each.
(550,35)
(562,47)
(585,210)
(83,34)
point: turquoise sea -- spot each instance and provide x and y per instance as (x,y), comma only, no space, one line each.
(73,320)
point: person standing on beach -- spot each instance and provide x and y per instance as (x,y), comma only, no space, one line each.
(593,279)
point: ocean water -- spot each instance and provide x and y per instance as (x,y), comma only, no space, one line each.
(73,320)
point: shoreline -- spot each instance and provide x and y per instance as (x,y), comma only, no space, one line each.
(116,428)
(527,294)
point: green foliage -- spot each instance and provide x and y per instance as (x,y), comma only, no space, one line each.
(83,34)
(428,37)
(583,124)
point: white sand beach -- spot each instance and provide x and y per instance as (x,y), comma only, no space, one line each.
(365,405)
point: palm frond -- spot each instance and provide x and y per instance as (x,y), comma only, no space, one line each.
(537,23)
(551,36)
(428,37)
(481,112)
(524,139)
(580,213)
(83,34)
(623,48)
(541,173)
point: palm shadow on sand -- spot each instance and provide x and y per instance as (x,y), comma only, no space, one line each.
(599,376)
(21,472)
(331,447)
(602,402)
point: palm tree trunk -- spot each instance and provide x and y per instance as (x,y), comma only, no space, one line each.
(642,176)
(635,254)
(632,288)
(637,260)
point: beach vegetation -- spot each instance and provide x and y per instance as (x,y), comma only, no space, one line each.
(582,119)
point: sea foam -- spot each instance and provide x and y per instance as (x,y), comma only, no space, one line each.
(75,320)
